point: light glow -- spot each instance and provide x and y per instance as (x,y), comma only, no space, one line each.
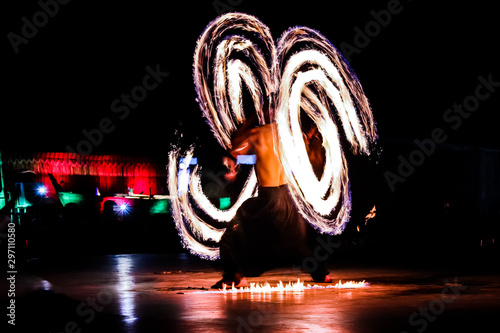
(298,286)
(318,81)
(266,287)
(315,80)
(125,288)
(41,190)
(246,159)
(187,223)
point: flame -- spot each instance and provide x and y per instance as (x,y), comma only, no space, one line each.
(266,287)
(317,81)
(371,214)
(298,286)
(350,285)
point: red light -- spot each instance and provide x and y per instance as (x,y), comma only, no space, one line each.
(110,173)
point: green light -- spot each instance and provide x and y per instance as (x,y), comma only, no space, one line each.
(69,197)
(224,203)
(2,192)
(160,206)
(21,202)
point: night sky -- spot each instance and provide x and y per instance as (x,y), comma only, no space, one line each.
(65,77)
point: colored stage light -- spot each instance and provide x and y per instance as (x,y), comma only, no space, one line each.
(123,208)
(224,203)
(246,159)
(41,190)
(191,161)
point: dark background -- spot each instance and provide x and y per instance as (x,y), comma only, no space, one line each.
(65,78)
(428,58)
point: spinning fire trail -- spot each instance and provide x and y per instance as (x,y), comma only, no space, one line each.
(303,76)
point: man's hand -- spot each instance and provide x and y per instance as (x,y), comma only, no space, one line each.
(240,144)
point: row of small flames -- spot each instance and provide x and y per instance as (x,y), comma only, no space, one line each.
(280,286)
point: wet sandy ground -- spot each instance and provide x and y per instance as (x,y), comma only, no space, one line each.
(170,293)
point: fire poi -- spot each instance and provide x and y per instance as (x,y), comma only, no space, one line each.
(303,74)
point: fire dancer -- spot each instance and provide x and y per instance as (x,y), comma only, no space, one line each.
(267,230)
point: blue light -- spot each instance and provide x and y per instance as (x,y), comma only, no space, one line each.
(194,160)
(41,190)
(246,159)
(184,174)
(123,208)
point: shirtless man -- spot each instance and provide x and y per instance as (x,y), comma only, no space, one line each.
(260,141)
(267,230)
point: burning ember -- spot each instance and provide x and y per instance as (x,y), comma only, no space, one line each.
(297,286)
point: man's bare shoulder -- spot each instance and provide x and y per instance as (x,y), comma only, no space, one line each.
(264,129)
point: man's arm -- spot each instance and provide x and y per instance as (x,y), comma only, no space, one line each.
(240,143)
(241,150)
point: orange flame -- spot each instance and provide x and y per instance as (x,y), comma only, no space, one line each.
(266,287)
(294,287)
(350,285)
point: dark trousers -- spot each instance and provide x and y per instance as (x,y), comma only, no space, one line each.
(266,232)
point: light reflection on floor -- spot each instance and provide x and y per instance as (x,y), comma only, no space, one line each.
(160,293)
(124,287)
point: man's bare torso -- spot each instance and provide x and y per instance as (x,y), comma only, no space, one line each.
(261,142)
